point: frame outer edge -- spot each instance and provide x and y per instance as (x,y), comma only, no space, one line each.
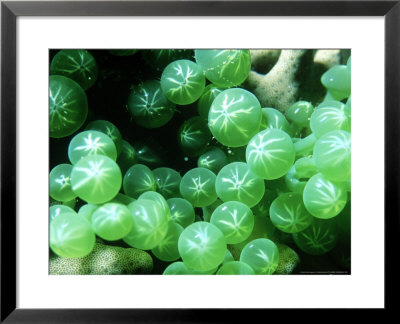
(392,151)
(8,161)
(8,158)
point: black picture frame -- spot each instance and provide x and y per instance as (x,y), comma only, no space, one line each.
(10,10)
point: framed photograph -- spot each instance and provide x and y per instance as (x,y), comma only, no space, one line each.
(159,158)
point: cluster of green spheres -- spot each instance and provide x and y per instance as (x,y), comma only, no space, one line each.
(258,177)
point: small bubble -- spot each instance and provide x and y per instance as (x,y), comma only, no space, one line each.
(186,159)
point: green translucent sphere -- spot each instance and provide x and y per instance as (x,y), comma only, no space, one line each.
(91,142)
(148,105)
(273,118)
(261,255)
(68,106)
(112,221)
(326,119)
(168,181)
(319,238)
(224,68)
(270,154)
(235,268)
(76,64)
(159,200)
(332,155)
(182,82)
(202,246)
(177,268)
(214,159)
(137,180)
(288,214)
(56,210)
(337,80)
(324,198)
(150,224)
(127,157)
(167,250)
(108,128)
(235,220)
(300,112)
(182,211)
(198,187)
(237,182)
(331,104)
(193,136)
(60,183)
(234,117)
(71,236)
(206,99)
(96,179)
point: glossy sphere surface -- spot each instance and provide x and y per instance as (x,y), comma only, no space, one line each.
(91,142)
(137,180)
(337,80)
(214,159)
(150,225)
(112,221)
(76,64)
(56,210)
(96,179)
(68,106)
(168,181)
(270,154)
(202,246)
(324,198)
(235,220)
(273,118)
(198,187)
(261,255)
(206,99)
(167,250)
(288,214)
(326,119)
(234,117)
(177,268)
(300,112)
(159,200)
(319,238)
(332,155)
(193,136)
(224,68)
(71,236)
(60,183)
(182,82)
(148,105)
(235,268)
(108,128)
(182,211)
(237,182)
